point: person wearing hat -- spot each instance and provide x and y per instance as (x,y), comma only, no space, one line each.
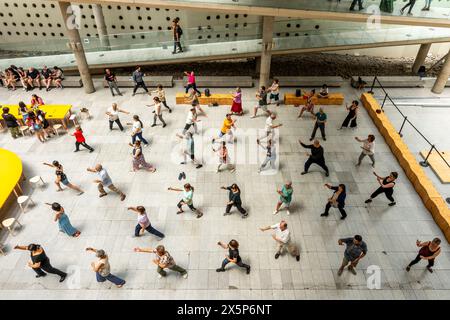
(102,268)
(40,262)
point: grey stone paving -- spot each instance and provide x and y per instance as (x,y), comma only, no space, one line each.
(105,223)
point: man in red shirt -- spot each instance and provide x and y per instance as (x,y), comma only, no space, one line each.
(80,139)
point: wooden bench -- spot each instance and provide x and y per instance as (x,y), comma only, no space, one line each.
(393,82)
(333,99)
(310,81)
(222,82)
(68,82)
(150,81)
(219,98)
(438,165)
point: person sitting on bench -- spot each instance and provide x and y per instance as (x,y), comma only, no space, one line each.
(323,92)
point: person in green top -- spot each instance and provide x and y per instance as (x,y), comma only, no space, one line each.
(188,194)
(285,197)
(321,120)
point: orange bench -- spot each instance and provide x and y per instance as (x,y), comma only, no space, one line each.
(219,98)
(332,99)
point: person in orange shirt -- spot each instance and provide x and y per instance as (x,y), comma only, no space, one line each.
(228,123)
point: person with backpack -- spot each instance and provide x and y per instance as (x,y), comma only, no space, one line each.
(177,32)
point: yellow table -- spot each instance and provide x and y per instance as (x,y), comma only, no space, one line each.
(54,112)
(10,174)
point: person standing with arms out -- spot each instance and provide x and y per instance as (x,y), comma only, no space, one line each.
(274,92)
(161,94)
(63,220)
(234,199)
(368,149)
(11,122)
(191,120)
(316,157)
(233,256)
(309,104)
(226,129)
(261,96)
(337,200)
(61,177)
(355,250)
(236,107)
(40,262)
(111,80)
(137,131)
(321,120)
(144,223)
(157,111)
(164,261)
(270,127)
(386,186)
(80,140)
(138,79)
(193,100)
(102,268)
(113,115)
(271,154)
(188,195)
(429,250)
(139,159)
(285,197)
(191,82)
(177,32)
(223,158)
(282,237)
(105,181)
(189,149)
(351,117)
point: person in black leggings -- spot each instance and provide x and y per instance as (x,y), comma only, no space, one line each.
(386,186)
(337,200)
(429,250)
(316,157)
(234,198)
(233,256)
(40,262)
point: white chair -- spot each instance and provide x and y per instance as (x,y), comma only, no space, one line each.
(35,180)
(57,127)
(73,118)
(24,129)
(23,201)
(85,112)
(9,224)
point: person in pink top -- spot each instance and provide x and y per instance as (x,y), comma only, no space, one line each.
(191,82)
(223,157)
(236,107)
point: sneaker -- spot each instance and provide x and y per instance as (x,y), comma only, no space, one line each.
(43,275)
(180,176)
(170,110)
(275,212)
(213,140)
(324,139)
(277,255)
(327,174)
(408,268)
(297,258)
(183,175)
(76,150)
(357,165)
(133,94)
(80,193)
(343,217)
(392,204)
(339,273)
(199,166)
(63,278)
(244,216)
(227,213)
(248,270)
(185,275)
(311,139)
(122,197)
(184,162)
(102,195)
(429,269)
(199,215)
(233,170)
(220,270)
(324,214)
(159,276)
(164,125)
(153,125)
(288,212)
(352,270)
(303,173)
(92,150)
(368,201)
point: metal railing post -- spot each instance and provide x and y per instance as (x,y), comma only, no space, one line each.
(425,163)
(448,200)
(384,100)
(373,85)
(401,128)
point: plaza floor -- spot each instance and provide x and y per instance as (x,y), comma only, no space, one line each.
(390,232)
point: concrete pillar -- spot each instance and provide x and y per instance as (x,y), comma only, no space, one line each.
(101,26)
(77,47)
(421,56)
(266,54)
(442,78)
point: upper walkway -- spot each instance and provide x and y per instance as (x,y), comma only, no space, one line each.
(389,11)
(151,50)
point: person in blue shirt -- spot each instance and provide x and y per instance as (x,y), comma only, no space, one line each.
(337,200)
(321,120)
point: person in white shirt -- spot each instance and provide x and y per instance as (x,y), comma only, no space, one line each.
(269,126)
(157,111)
(368,149)
(271,154)
(283,238)
(137,131)
(191,120)
(189,149)
(161,95)
(113,115)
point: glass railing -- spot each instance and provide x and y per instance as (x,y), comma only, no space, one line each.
(439,9)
